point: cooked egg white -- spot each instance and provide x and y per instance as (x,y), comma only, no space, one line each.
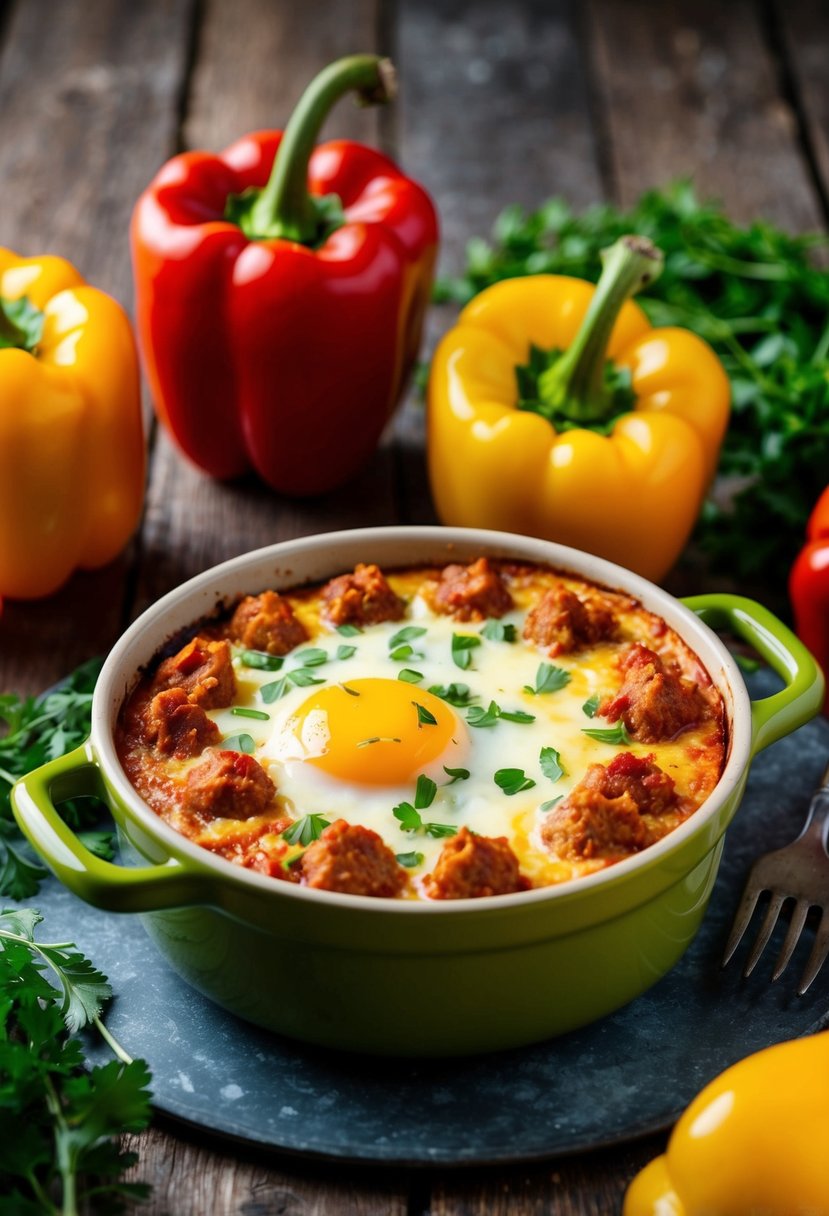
(352,743)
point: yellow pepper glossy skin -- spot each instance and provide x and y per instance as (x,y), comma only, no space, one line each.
(631,496)
(71,441)
(754,1140)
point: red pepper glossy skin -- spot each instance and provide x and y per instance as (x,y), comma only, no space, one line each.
(809,587)
(268,354)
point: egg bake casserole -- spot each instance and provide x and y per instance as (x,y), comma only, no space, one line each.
(426,733)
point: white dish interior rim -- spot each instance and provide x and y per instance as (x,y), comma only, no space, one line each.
(406,544)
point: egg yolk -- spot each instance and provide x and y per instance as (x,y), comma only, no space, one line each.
(376,731)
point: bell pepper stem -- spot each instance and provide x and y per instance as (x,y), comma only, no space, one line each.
(285,208)
(10,333)
(574,385)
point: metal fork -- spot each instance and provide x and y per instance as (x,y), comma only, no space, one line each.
(799,872)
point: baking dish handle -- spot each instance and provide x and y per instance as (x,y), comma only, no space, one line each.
(778,715)
(99,882)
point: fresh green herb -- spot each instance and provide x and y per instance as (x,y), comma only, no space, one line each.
(410,676)
(303,678)
(425,717)
(307,829)
(591,705)
(61,1118)
(261,660)
(407,634)
(424,792)
(457,774)
(548,679)
(243,712)
(274,691)
(352,692)
(410,821)
(551,763)
(410,860)
(348,631)
(760,298)
(747,663)
(479,717)
(346,652)
(516,715)
(37,730)
(454,694)
(239,743)
(616,734)
(401,653)
(513,780)
(550,803)
(314,656)
(462,646)
(377,739)
(482,718)
(499,631)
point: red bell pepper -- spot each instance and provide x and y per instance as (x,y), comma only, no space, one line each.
(280,293)
(809,587)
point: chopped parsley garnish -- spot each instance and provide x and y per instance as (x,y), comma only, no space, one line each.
(548,679)
(306,829)
(425,717)
(345,652)
(313,657)
(352,692)
(616,734)
(302,678)
(410,676)
(513,780)
(239,743)
(499,631)
(348,631)
(591,705)
(454,694)
(476,715)
(377,739)
(457,774)
(425,792)
(438,830)
(462,646)
(550,803)
(261,660)
(410,820)
(410,860)
(551,763)
(407,634)
(401,653)
(243,712)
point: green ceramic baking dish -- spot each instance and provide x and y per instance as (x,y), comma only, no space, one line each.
(404,977)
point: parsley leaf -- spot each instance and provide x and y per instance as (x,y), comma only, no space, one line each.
(482,718)
(307,829)
(348,631)
(499,631)
(407,634)
(513,780)
(551,763)
(410,676)
(462,646)
(314,656)
(425,717)
(457,774)
(425,792)
(409,860)
(550,803)
(615,734)
(346,652)
(591,705)
(410,821)
(261,660)
(239,743)
(453,694)
(548,679)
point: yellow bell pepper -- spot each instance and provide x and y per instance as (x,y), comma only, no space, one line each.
(754,1140)
(556,410)
(71,442)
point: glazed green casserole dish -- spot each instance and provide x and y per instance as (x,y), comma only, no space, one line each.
(399,976)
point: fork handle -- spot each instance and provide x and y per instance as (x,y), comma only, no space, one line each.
(780,714)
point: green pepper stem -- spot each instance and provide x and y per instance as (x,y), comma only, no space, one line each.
(11,334)
(574,385)
(284,208)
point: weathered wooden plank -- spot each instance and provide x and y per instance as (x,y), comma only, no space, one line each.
(803,32)
(90,108)
(500,115)
(689,88)
(253,60)
(191,1180)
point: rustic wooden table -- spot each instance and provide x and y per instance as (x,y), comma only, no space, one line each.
(500,102)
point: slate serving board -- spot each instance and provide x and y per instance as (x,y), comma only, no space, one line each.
(628,1075)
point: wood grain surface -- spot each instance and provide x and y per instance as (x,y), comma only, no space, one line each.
(501,101)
